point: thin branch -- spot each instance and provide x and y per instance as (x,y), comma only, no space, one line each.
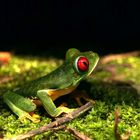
(118,136)
(77,134)
(112,57)
(56,123)
(117,120)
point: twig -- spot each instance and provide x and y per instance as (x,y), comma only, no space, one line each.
(117,119)
(5,79)
(56,123)
(112,57)
(78,135)
(126,135)
(61,127)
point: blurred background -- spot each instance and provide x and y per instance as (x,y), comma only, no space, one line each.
(29,26)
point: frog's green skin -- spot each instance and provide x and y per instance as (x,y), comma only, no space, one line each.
(61,81)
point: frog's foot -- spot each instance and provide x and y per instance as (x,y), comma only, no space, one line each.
(66,109)
(79,102)
(33,117)
(80,96)
(89,100)
(61,110)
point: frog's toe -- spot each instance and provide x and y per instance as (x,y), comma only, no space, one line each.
(67,110)
(79,100)
(34,118)
(89,100)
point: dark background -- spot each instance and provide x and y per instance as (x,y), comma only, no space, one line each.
(39,26)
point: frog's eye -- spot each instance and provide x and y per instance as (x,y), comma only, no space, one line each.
(82,64)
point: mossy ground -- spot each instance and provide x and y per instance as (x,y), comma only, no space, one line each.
(111,90)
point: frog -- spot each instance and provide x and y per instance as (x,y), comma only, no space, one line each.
(46,89)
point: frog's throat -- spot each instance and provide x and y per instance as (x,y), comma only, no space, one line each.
(56,93)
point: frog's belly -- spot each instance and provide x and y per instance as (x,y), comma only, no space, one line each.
(55,93)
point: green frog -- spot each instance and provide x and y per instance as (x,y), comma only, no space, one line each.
(47,89)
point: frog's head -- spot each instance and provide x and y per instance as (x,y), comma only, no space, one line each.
(83,63)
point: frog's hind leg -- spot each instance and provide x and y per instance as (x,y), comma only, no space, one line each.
(79,95)
(20,106)
(79,102)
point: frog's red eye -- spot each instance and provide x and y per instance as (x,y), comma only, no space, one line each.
(82,64)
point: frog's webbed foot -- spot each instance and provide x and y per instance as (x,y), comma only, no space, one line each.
(31,116)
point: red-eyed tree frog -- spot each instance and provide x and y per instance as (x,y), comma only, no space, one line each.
(48,88)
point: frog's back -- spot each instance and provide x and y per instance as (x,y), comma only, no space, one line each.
(55,80)
(32,87)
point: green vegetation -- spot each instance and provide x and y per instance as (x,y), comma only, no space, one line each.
(115,85)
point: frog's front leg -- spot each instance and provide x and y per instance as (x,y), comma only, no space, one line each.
(49,105)
(20,106)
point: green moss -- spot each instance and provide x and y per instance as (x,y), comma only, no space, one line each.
(97,123)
